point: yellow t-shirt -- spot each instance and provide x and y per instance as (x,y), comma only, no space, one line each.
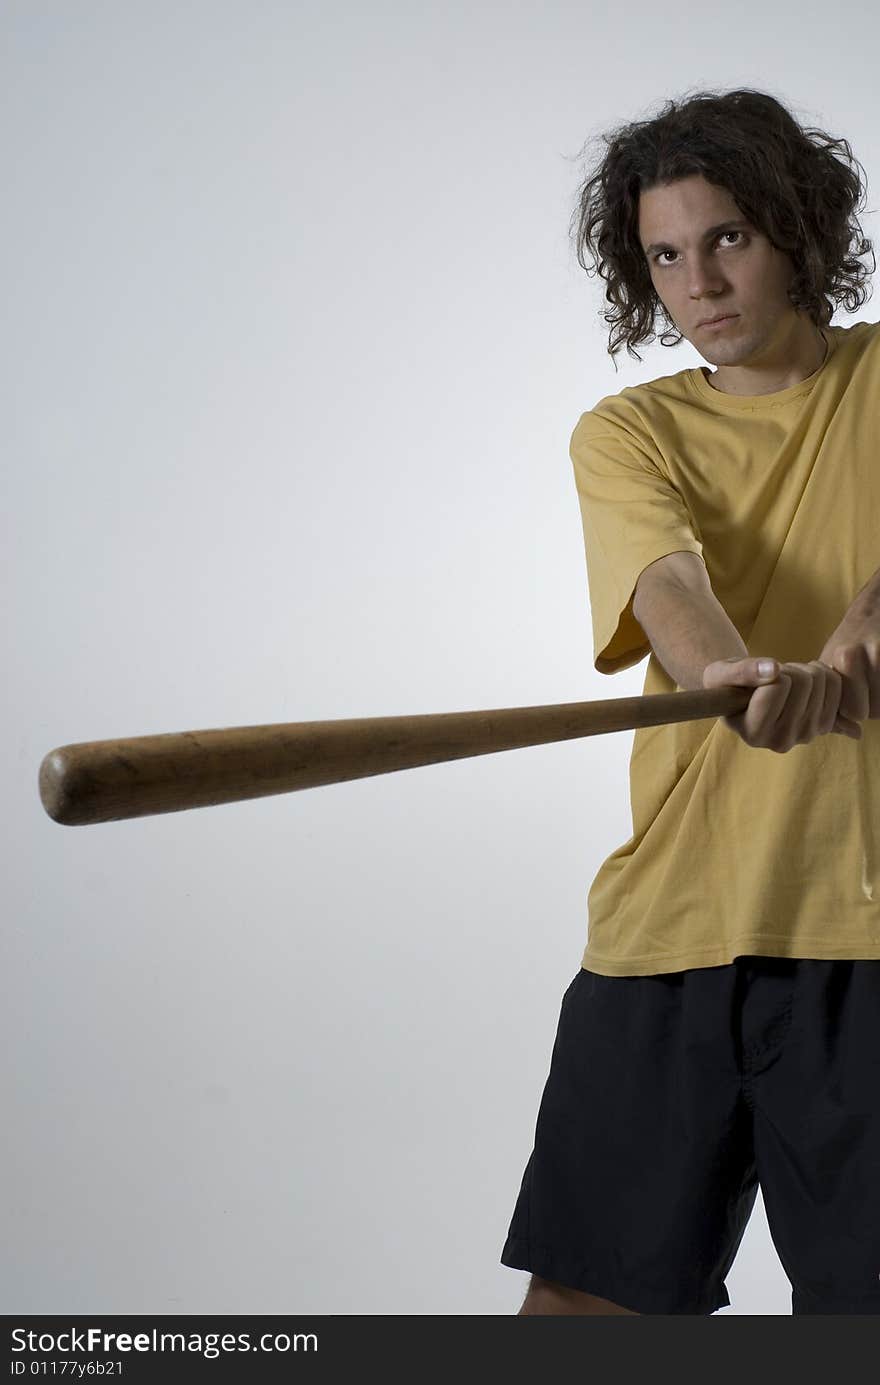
(738,850)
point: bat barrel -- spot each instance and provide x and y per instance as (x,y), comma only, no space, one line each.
(108,781)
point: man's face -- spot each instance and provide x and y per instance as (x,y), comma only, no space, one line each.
(736,271)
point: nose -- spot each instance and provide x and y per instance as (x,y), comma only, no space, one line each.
(704,280)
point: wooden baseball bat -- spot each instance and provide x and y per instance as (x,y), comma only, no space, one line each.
(106,781)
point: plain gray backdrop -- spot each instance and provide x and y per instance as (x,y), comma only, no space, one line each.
(295,340)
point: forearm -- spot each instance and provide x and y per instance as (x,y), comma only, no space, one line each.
(687,630)
(861,620)
(867,602)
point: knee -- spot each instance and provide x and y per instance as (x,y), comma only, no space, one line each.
(544,1296)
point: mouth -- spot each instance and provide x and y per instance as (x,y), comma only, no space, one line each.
(719,321)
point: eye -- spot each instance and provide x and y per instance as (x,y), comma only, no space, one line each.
(658,258)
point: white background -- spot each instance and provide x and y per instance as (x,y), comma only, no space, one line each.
(295,343)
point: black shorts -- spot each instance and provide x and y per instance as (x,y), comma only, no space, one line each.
(671,1097)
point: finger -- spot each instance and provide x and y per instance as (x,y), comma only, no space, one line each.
(765,707)
(811,719)
(855,699)
(788,722)
(848,728)
(843,725)
(829,720)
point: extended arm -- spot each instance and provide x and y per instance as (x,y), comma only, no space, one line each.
(685,623)
(699,646)
(853,649)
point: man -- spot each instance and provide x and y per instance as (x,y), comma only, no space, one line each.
(723,1029)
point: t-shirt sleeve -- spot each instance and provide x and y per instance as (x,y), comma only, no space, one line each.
(632,515)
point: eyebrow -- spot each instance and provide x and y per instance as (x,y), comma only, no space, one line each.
(707,235)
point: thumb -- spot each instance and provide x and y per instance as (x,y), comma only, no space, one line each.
(742,673)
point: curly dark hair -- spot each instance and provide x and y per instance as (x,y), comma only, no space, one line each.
(795,185)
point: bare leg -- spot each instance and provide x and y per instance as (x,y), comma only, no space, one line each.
(545,1297)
